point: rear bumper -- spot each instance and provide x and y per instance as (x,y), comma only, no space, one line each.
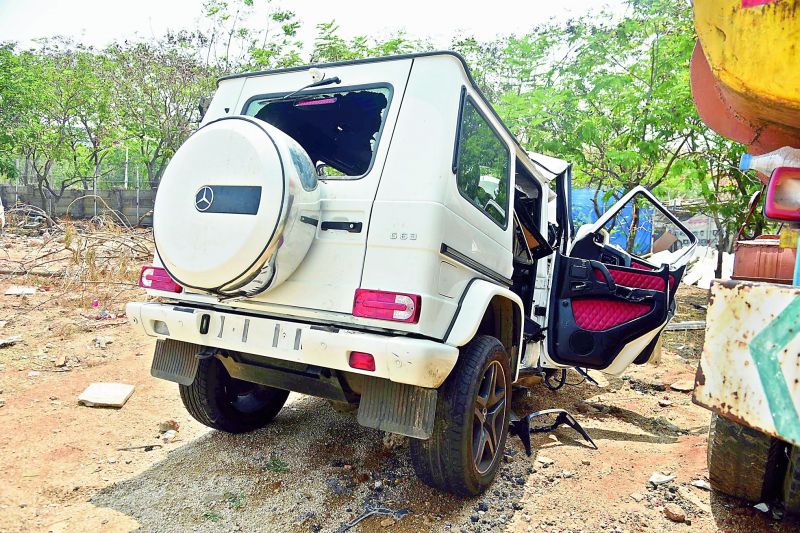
(419,362)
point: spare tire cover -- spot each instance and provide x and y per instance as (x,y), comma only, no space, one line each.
(227,211)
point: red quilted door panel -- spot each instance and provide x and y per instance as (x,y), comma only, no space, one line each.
(597,314)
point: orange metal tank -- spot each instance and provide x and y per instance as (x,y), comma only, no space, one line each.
(762,259)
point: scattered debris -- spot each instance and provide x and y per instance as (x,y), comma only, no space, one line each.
(685,385)
(102,341)
(701,484)
(393,441)
(146,447)
(686,326)
(106,395)
(169,436)
(694,500)
(674,512)
(394,515)
(545,461)
(10,341)
(16,290)
(659,479)
(163,427)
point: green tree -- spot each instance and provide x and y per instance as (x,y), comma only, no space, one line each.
(156,89)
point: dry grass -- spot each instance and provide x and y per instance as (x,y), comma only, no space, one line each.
(73,262)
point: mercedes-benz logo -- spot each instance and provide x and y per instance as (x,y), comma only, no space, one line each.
(204,198)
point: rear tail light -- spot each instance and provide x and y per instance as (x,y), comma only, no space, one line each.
(157,279)
(384,305)
(362,361)
(783,195)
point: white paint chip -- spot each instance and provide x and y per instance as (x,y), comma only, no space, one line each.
(106,395)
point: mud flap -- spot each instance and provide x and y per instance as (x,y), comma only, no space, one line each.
(175,361)
(398,408)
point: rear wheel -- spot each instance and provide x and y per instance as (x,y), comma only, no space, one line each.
(742,462)
(472,415)
(222,402)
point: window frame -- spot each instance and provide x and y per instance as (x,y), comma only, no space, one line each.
(464,99)
(327,90)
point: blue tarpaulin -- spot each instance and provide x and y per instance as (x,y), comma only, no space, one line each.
(583,212)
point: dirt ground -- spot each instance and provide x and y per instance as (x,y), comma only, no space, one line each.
(67,467)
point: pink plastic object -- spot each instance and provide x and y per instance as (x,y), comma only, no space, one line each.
(95,303)
(783,195)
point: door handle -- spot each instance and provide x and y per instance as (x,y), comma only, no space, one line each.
(606,274)
(350,227)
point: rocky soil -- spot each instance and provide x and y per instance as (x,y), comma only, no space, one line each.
(67,467)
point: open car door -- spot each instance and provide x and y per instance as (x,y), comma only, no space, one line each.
(613,291)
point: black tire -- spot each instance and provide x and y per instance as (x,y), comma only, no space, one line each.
(219,401)
(465,422)
(791,483)
(743,462)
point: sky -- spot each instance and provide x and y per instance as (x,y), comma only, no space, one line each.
(100,22)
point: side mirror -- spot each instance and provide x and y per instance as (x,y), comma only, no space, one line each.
(783,195)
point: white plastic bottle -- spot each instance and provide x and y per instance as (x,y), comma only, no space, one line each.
(766,163)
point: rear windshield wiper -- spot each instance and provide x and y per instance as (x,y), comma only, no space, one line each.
(320,83)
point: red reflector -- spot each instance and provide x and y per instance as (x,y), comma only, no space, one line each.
(156,278)
(362,361)
(383,305)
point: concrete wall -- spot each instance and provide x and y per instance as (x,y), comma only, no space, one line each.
(131,205)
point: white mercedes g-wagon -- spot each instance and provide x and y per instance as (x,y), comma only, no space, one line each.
(370,232)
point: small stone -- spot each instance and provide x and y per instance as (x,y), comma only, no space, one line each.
(2,403)
(685,385)
(545,461)
(34,373)
(637,497)
(61,360)
(483,506)
(664,403)
(566,474)
(586,462)
(387,522)
(112,460)
(763,507)
(378,485)
(674,512)
(658,386)
(701,484)
(101,341)
(474,518)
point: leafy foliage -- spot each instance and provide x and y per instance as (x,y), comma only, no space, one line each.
(611,94)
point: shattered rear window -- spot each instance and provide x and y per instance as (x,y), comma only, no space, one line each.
(339,129)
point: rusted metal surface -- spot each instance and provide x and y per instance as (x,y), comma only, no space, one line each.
(750,367)
(744,76)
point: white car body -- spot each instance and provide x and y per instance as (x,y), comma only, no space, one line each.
(418,234)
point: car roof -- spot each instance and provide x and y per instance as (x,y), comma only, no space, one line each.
(521,152)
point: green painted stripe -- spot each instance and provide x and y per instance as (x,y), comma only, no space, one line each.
(764,349)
